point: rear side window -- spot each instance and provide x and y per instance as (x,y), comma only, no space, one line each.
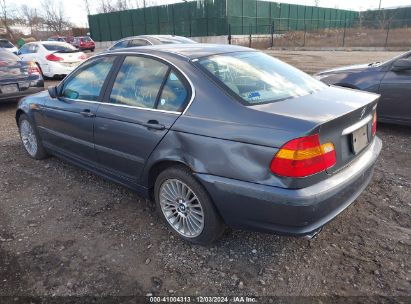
(174,94)
(6,44)
(138,42)
(88,80)
(120,45)
(259,78)
(138,82)
(63,47)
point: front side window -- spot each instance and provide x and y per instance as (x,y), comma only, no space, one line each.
(138,82)
(259,78)
(174,94)
(88,81)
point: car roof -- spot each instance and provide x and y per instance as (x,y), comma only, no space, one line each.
(189,50)
(48,42)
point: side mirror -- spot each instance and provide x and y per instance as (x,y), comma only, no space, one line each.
(401,65)
(53,92)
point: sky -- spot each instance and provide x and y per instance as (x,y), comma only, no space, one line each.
(75,9)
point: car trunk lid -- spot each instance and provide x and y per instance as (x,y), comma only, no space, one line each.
(70,57)
(341,116)
(13,70)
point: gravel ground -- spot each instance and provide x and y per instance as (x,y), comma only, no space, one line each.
(64,231)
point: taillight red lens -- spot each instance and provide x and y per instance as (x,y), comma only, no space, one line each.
(33,69)
(303,156)
(52,57)
(374,124)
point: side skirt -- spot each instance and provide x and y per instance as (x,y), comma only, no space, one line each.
(94,168)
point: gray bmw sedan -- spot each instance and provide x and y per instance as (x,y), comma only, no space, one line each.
(217,135)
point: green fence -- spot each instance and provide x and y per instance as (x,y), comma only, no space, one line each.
(214,18)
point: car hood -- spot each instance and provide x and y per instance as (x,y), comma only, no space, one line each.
(345,69)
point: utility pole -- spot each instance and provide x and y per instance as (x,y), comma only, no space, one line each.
(379,7)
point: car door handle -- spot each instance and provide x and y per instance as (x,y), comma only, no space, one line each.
(153,124)
(87,113)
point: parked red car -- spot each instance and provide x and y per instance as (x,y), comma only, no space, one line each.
(84,43)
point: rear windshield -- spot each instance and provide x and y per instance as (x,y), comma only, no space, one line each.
(8,56)
(174,40)
(59,47)
(6,44)
(86,39)
(259,78)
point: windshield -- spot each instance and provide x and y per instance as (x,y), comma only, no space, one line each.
(259,78)
(389,61)
(86,39)
(6,44)
(61,47)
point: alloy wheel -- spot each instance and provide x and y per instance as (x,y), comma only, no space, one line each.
(181,208)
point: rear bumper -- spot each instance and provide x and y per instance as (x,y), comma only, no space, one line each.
(55,68)
(21,94)
(291,211)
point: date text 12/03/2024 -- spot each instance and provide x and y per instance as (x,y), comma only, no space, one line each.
(203,299)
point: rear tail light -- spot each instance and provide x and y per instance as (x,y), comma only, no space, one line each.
(53,57)
(374,124)
(303,156)
(33,68)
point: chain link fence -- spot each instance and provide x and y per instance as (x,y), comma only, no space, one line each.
(281,33)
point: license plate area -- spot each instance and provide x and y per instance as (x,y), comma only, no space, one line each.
(359,139)
(9,88)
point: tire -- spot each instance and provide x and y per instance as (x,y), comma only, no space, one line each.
(170,182)
(30,138)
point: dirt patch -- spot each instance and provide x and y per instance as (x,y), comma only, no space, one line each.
(64,231)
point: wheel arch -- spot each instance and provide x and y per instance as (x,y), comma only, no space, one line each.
(161,165)
(19,112)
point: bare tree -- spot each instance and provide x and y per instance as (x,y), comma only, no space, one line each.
(30,18)
(54,16)
(384,17)
(6,17)
(107,6)
(87,5)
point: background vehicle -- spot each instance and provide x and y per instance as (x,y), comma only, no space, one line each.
(54,58)
(57,38)
(84,43)
(391,79)
(18,78)
(216,134)
(145,40)
(8,46)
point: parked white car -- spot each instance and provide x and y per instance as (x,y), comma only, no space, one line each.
(7,45)
(54,58)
